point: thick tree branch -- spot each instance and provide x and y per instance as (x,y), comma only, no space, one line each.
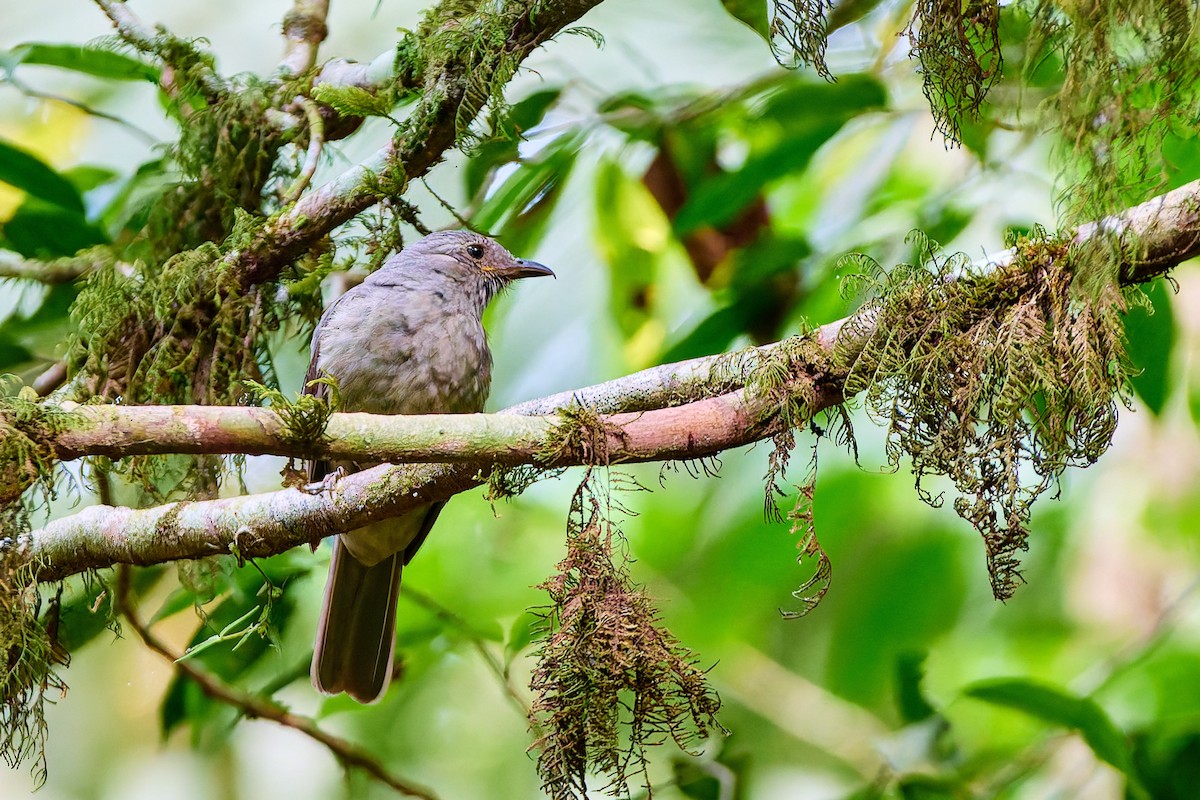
(254,706)
(504,439)
(265,524)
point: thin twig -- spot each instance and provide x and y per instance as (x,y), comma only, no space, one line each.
(316,141)
(129,26)
(158,43)
(253,706)
(37,94)
(13,265)
(466,223)
(51,379)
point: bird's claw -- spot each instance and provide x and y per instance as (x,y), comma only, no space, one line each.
(325,484)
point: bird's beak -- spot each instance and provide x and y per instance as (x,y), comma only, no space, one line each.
(525,269)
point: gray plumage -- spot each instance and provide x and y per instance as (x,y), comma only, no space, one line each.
(408,340)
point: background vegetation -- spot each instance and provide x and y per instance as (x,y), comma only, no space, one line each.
(693,197)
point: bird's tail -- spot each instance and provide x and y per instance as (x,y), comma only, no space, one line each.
(355,635)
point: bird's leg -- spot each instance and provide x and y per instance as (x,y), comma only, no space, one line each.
(326,484)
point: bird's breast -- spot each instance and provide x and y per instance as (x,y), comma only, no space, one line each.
(402,358)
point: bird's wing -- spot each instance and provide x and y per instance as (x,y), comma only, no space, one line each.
(317,469)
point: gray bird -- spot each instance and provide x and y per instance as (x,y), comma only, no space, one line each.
(408,340)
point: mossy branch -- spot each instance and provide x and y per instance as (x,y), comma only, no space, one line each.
(1165,230)
(449,101)
(503,439)
(57,270)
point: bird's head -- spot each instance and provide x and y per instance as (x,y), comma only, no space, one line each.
(471,260)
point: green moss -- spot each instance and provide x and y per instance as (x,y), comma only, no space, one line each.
(997,380)
(1132,83)
(958,46)
(610,681)
(27,655)
(305,416)
(26,454)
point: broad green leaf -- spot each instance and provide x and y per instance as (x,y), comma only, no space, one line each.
(753,13)
(713,335)
(1059,707)
(528,112)
(178,600)
(43,230)
(806,116)
(846,12)
(523,116)
(86,177)
(1168,758)
(41,331)
(81,58)
(631,232)
(1151,337)
(31,175)
(521,191)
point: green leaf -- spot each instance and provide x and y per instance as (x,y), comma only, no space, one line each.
(502,149)
(12,352)
(31,175)
(929,787)
(43,230)
(846,12)
(530,111)
(753,13)
(1168,758)
(631,231)
(86,177)
(523,190)
(353,101)
(713,334)
(910,695)
(806,116)
(178,600)
(522,633)
(81,58)
(1059,707)
(1151,338)
(87,611)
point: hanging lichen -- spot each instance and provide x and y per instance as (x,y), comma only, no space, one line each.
(798,33)
(998,380)
(789,384)
(610,681)
(957,43)
(27,655)
(1132,83)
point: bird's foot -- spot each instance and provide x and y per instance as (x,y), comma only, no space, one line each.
(325,484)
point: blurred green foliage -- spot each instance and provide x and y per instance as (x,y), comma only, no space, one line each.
(684,217)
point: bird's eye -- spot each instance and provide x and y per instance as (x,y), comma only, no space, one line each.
(475,251)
